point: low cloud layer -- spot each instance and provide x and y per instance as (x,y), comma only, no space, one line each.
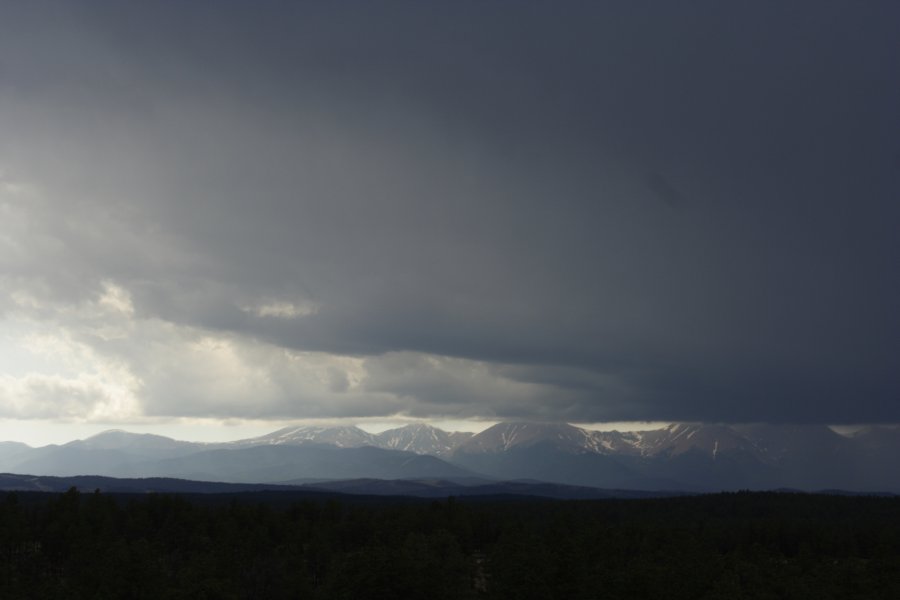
(585,213)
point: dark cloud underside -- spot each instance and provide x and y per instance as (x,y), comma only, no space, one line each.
(664,211)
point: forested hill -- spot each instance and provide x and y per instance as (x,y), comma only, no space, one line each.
(737,545)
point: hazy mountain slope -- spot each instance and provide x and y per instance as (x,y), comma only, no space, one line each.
(554,452)
(688,456)
(9,450)
(113,452)
(878,440)
(877,455)
(281,463)
(117,439)
(808,456)
(62,461)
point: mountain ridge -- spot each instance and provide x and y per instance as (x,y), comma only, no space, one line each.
(680,456)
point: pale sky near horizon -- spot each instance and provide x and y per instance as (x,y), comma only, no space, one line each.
(220,217)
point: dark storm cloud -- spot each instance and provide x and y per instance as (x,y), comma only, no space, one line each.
(681,211)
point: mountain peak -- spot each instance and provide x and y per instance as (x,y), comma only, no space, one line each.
(115,439)
(421,438)
(505,436)
(343,436)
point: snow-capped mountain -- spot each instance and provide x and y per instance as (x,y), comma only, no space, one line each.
(422,439)
(682,456)
(561,436)
(671,441)
(689,456)
(679,438)
(342,437)
(417,437)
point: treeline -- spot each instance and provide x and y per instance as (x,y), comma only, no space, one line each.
(742,545)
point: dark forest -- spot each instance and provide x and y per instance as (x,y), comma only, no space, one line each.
(735,545)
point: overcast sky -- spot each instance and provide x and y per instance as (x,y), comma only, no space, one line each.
(261,212)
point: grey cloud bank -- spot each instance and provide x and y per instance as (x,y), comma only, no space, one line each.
(584,212)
